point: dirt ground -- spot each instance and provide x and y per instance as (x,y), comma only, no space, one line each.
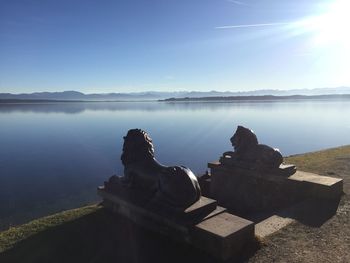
(331,241)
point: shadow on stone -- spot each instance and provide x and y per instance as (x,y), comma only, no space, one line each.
(313,212)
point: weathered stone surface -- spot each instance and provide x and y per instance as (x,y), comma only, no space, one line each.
(283,169)
(127,199)
(223,235)
(200,209)
(217,232)
(144,217)
(319,186)
(246,191)
(271,225)
(218,210)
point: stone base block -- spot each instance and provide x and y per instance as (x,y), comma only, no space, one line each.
(141,216)
(159,219)
(223,235)
(319,186)
(247,191)
(217,232)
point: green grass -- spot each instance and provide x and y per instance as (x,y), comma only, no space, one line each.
(92,234)
(16,234)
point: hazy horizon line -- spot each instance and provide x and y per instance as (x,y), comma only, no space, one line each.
(172,91)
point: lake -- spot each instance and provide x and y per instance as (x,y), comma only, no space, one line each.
(54,155)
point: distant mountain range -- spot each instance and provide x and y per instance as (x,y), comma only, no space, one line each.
(156,95)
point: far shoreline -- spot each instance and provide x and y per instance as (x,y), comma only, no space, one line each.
(265,98)
(260,98)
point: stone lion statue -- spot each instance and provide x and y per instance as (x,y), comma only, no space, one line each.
(175,186)
(248,151)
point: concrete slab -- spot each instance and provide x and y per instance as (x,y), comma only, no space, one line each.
(271,225)
(223,235)
(312,212)
(314,178)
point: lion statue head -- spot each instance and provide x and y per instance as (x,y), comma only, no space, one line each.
(137,147)
(243,139)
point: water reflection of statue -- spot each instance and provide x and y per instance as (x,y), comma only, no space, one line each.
(175,186)
(249,153)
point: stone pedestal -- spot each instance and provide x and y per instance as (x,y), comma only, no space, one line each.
(223,235)
(251,191)
(318,186)
(204,224)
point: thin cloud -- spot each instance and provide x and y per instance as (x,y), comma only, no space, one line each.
(169,77)
(252,25)
(236,2)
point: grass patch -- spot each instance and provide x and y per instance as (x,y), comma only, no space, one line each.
(91,234)
(333,162)
(321,161)
(15,234)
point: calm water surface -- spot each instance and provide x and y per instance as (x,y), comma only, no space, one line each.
(52,156)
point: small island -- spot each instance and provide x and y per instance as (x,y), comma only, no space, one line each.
(259,98)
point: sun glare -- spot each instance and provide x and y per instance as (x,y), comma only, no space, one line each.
(330,28)
(329,38)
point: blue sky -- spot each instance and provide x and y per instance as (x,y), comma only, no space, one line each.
(165,45)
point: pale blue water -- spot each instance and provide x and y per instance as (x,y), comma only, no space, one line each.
(53,156)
